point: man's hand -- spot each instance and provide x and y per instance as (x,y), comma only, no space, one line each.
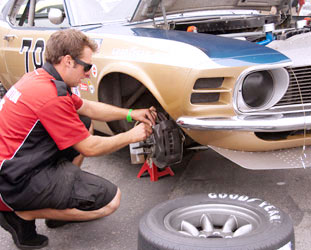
(140,132)
(147,116)
(98,145)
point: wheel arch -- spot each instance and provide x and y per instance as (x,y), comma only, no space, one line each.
(128,86)
(135,73)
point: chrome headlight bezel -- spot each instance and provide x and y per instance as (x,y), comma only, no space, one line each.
(280,78)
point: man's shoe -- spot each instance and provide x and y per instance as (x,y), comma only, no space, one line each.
(56,223)
(59,223)
(23,232)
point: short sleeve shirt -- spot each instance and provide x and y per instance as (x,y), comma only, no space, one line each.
(38,119)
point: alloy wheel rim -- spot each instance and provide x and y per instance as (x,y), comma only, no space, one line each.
(212,221)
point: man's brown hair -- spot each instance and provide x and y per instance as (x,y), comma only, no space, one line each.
(67,42)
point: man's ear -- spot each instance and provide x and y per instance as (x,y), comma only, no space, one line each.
(67,61)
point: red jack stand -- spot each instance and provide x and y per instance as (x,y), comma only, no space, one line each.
(153,170)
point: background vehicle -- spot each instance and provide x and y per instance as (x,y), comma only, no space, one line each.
(223,88)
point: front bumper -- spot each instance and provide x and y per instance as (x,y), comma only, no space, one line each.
(254,123)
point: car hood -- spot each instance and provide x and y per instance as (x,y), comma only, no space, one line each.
(223,51)
(148,9)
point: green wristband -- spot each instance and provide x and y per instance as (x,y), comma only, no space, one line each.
(129,117)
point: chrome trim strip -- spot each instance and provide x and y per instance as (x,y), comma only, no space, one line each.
(253,123)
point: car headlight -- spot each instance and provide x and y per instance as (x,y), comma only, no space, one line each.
(257,89)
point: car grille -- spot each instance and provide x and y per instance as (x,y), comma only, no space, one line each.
(299,89)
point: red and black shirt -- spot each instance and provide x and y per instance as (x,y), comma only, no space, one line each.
(38,119)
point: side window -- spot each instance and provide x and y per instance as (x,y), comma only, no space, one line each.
(48,14)
(19,13)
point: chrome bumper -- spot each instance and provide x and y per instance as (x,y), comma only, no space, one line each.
(254,123)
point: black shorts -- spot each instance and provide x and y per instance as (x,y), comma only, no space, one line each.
(69,187)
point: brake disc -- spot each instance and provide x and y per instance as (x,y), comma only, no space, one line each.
(167,140)
(164,146)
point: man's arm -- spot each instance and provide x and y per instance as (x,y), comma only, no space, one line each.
(99,145)
(105,112)
(101,111)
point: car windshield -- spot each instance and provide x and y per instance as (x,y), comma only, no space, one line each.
(101,11)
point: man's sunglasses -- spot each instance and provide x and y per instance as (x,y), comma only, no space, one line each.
(86,66)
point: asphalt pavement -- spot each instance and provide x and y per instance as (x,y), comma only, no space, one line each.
(200,172)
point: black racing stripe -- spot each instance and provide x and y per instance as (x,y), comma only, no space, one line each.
(37,151)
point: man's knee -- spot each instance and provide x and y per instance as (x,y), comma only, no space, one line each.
(115,203)
(112,206)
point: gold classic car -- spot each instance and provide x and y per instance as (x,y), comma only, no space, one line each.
(232,74)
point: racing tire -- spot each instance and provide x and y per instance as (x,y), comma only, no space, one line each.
(216,221)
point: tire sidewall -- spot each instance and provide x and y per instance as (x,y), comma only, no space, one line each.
(275,227)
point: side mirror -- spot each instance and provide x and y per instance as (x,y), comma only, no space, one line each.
(56,16)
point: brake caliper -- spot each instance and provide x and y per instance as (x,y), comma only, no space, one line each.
(164,146)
